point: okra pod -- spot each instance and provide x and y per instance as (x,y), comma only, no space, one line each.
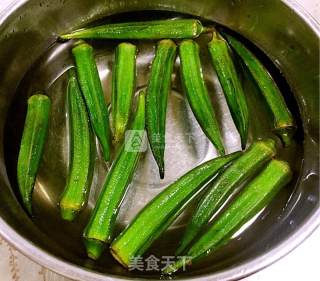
(197,94)
(283,121)
(231,84)
(240,170)
(160,212)
(123,84)
(149,30)
(33,139)
(156,100)
(92,91)
(99,230)
(75,195)
(258,194)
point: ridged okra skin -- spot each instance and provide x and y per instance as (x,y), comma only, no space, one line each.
(123,86)
(158,90)
(160,212)
(257,194)
(219,190)
(99,230)
(90,84)
(284,124)
(197,93)
(33,140)
(75,195)
(147,30)
(222,61)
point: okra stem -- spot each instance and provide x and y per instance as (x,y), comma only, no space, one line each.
(197,94)
(258,193)
(149,30)
(156,100)
(33,139)
(75,195)
(92,91)
(231,84)
(99,230)
(240,170)
(158,214)
(283,121)
(123,84)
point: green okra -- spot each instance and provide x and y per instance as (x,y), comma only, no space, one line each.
(197,93)
(160,212)
(156,100)
(33,139)
(92,91)
(231,84)
(75,195)
(157,29)
(217,193)
(98,233)
(258,194)
(283,120)
(123,85)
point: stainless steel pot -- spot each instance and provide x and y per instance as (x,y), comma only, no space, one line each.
(281,29)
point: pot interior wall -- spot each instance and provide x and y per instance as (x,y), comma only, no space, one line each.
(28,51)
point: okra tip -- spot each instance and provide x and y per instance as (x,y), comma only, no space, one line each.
(39,96)
(94,248)
(64,37)
(182,247)
(208,29)
(128,46)
(269,144)
(188,42)
(214,36)
(117,257)
(118,135)
(71,35)
(105,151)
(244,140)
(285,135)
(284,167)
(168,42)
(181,263)
(68,214)
(72,73)
(142,97)
(105,144)
(28,206)
(81,45)
(198,28)
(161,171)
(221,150)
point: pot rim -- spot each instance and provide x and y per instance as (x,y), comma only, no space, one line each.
(245,269)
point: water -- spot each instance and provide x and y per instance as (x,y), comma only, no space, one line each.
(186,148)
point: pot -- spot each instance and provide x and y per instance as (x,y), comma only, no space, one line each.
(281,29)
